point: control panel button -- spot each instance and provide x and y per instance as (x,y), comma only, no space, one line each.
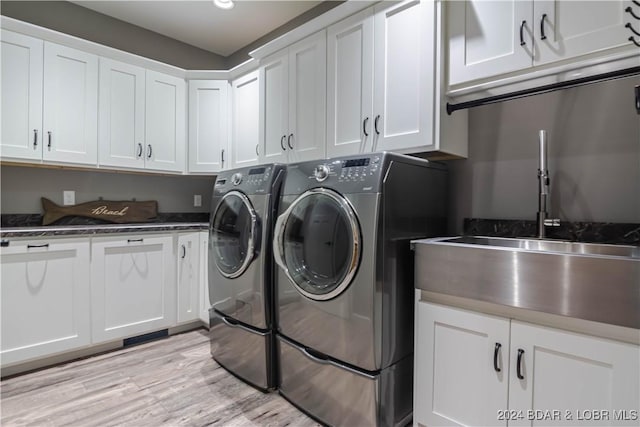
(321,173)
(236,178)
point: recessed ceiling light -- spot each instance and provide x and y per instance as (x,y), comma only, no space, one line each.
(224,4)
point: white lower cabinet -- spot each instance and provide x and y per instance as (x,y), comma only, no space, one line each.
(188,277)
(45,298)
(479,369)
(132,286)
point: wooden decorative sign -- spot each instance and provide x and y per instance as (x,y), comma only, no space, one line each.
(113,211)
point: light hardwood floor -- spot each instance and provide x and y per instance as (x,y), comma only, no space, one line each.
(169,382)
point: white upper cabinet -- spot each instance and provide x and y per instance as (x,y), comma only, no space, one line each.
(484,38)
(49,102)
(293,102)
(22,74)
(274,108)
(384,85)
(350,85)
(492,38)
(404,75)
(567,29)
(208,130)
(70,119)
(121,115)
(165,122)
(245,130)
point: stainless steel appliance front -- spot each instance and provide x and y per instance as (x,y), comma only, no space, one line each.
(244,204)
(345,282)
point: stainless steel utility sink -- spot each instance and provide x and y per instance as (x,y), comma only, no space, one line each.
(549,246)
(582,280)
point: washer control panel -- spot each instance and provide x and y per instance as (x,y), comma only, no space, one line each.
(251,180)
(353,172)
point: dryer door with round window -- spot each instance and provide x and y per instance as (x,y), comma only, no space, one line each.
(318,244)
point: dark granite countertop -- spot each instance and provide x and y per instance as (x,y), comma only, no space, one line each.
(588,232)
(30,225)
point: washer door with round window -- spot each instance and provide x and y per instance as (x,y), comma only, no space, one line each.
(234,237)
(318,244)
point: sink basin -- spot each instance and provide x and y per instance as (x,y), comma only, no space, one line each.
(549,246)
(581,280)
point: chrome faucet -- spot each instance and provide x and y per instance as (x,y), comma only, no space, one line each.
(543,191)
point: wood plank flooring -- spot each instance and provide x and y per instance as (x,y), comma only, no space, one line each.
(169,382)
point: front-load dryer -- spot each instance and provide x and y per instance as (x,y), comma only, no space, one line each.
(345,284)
(244,204)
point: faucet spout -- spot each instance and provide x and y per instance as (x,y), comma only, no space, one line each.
(542,220)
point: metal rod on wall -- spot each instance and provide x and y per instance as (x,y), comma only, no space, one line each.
(544,89)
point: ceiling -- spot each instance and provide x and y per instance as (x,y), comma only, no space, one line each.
(200,23)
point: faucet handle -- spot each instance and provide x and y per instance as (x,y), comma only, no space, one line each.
(552,222)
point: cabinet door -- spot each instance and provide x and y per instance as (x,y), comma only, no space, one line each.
(484,38)
(307,98)
(577,28)
(204,277)
(22,73)
(245,133)
(70,105)
(208,120)
(132,286)
(45,298)
(460,376)
(274,102)
(404,75)
(350,85)
(121,114)
(188,277)
(573,373)
(165,122)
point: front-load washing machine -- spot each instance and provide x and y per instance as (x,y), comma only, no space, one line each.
(244,204)
(345,284)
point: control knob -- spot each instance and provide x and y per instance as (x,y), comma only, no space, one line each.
(236,178)
(321,173)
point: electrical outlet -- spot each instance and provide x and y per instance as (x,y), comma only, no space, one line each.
(68,198)
(197,200)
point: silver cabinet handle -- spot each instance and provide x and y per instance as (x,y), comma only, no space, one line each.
(149,151)
(49,144)
(139,151)
(289,141)
(35,138)
(184,251)
(257,154)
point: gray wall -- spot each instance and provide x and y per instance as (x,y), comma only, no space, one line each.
(87,24)
(594,157)
(22,188)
